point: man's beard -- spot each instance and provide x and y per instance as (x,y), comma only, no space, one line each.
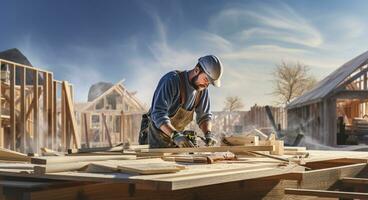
(194,85)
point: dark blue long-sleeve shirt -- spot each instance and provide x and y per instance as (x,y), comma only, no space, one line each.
(166,100)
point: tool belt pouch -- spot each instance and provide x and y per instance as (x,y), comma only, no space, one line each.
(143,133)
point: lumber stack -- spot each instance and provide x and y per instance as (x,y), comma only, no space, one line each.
(257,138)
(137,159)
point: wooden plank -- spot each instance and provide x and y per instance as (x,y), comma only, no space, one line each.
(233,149)
(295,149)
(326,193)
(97,149)
(107,129)
(14,165)
(35,112)
(54,115)
(151,168)
(71,114)
(22,114)
(110,166)
(121,135)
(63,120)
(66,159)
(48,152)
(52,168)
(50,110)
(45,106)
(86,127)
(241,140)
(355,181)
(12,108)
(32,104)
(6,154)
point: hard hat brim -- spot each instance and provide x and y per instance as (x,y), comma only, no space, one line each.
(216,83)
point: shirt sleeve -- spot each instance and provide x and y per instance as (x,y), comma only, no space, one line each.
(203,110)
(165,94)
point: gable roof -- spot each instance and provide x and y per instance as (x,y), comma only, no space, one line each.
(118,87)
(16,56)
(328,84)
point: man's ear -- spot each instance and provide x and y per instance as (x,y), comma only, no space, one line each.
(196,69)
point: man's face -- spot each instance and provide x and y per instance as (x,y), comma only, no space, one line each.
(200,81)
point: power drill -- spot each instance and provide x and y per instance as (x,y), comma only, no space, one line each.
(192,136)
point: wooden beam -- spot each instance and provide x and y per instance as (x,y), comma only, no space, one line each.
(326,193)
(355,181)
(45,107)
(63,120)
(107,129)
(50,111)
(12,108)
(121,136)
(67,159)
(351,79)
(71,114)
(22,114)
(54,115)
(233,149)
(31,105)
(35,112)
(86,127)
(52,168)
(6,154)
(352,94)
(97,149)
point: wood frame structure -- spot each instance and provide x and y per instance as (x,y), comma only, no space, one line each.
(111,118)
(342,94)
(29,115)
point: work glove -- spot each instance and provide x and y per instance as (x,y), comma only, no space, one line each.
(181,140)
(209,138)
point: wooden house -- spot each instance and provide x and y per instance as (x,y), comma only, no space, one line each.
(336,108)
(112,117)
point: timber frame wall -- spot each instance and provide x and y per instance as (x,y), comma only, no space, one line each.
(112,118)
(36,110)
(113,127)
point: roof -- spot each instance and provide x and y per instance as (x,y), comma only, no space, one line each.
(98,89)
(15,55)
(118,87)
(328,84)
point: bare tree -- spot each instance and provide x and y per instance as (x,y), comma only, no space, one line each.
(233,103)
(292,80)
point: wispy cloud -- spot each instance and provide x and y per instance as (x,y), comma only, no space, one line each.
(279,23)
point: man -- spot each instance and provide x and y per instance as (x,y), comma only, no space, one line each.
(176,98)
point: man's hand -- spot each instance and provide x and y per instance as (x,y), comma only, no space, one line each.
(181,140)
(210,138)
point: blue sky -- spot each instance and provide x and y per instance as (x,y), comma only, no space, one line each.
(86,41)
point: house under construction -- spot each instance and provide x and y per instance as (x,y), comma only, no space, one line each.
(37,112)
(29,100)
(111,116)
(335,111)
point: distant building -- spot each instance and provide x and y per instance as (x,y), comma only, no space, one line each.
(113,114)
(336,107)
